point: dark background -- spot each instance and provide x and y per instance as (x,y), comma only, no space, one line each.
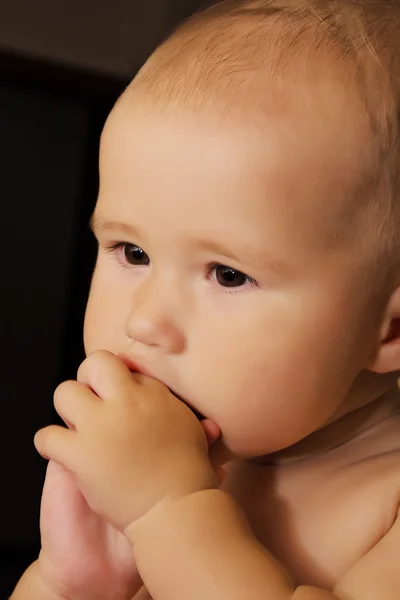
(53,104)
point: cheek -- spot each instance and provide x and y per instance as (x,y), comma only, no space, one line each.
(272,382)
(101,318)
(265,346)
(94,324)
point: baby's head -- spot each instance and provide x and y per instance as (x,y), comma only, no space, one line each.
(248,216)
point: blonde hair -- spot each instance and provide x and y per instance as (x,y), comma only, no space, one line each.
(223,54)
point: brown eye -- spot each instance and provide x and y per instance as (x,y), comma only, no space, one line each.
(134,255)
(228,277)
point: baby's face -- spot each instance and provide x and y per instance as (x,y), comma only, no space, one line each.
(220,273)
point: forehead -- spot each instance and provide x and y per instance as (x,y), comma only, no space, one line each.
(299,165)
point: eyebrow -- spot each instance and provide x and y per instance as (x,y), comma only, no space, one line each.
(97,223)
(248,255)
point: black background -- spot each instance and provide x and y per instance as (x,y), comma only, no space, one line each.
(51,118)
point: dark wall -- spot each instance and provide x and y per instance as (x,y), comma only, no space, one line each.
(43,143)
(48,169)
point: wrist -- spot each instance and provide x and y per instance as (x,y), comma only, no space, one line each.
(205,533)
(204,481)
(170,513)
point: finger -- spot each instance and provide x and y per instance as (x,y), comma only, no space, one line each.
(61,498)
(56,443)
(219,454)
(74,403)
(211,430)
(222,474)
(213,433)
(59,489)
(105,374)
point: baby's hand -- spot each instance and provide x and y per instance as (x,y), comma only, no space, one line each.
(131,443)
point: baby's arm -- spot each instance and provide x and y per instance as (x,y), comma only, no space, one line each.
(32,587)
(202,547)
(377,575)
(205,549)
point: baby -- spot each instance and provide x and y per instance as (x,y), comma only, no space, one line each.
(235,430)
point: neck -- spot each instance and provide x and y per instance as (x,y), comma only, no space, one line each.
(371,400)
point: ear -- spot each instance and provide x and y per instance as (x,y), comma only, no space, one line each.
(387,358)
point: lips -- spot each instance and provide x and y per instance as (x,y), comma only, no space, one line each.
(133,366)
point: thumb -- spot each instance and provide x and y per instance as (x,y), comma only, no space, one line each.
(213,433)
(211,430)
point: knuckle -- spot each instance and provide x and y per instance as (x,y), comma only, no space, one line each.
(156,384)
(100,355)
(63,391)
(81,373)
(41,440)
(93,363)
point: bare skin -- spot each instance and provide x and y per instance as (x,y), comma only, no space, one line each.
(322,515)
(293,358)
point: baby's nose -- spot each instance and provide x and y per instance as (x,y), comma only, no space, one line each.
(152,329)
(155,316)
